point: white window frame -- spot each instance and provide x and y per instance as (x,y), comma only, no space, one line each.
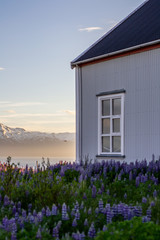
(111,116)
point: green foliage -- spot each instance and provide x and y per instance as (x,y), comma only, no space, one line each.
(130,230)
(70,175)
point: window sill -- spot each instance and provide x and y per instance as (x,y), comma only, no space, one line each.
(111,156)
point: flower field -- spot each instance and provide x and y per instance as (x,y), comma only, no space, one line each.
(106,200)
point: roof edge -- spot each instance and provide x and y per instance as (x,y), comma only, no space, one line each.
(74,64)
(111,30)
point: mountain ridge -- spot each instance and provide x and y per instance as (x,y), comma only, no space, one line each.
(19,142)
(20,134)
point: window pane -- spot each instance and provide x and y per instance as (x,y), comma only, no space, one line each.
(116,106)
(116,144)
(116,125)
(105,144)
(105,126)
(105,107)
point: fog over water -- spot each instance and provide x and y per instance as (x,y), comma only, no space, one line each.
(32,161)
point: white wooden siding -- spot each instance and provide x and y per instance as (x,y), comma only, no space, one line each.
(139,75)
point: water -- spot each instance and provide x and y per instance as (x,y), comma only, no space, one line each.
(32,161)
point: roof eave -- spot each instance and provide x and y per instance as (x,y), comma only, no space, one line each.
(89,60)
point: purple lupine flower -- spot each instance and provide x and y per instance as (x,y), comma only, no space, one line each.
(31,218)
(104,228)
(82,236)
(76,206)
(64,211)
(77,215)
(86,222)
(102,187)
(54,210)
(21,222)
(14,210)
(13,225)
(130,214)
(38,235)
(149,215)
(138,211)
(67,216)
(24,214)
(39,217)
(119,177)
(48,212)
(59,224)
(16,216)
(144,200)
(152,204)
(137,181)
(85,210)
(89,211)
(155,193)
(92,231)
(76,194)
(82,205)
(43,211)
(73,212)
(130,176)
(125,196)
(97,211)
(107,207)
(94,190)
(74,223)
(6,200)
(5,222)
(78,236)
(120,208)
(108,192)
(19,204)
(55,232)
(145,219)
(99,191)
(29,207)
(13,236)
(34,213)
(80,178)
(125,212)
(114,209)
(109,216)
(19,210)
(84,196)
(100,205)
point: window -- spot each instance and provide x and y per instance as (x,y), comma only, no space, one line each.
(110,124)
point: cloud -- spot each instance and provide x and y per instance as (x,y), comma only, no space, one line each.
(69,112)
(21,115)
(51,122)
(4,102)
(9,111)
(90,29)
(1,68)
(19,104)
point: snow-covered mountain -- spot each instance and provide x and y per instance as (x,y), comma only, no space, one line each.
(19,142)
(20,134)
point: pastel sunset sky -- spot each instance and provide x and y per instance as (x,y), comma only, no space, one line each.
(38,40)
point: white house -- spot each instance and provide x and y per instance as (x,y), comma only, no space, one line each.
(118,90)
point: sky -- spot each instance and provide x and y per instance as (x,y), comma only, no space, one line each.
(38,40)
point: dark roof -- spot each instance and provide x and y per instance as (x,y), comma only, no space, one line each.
(140,27)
